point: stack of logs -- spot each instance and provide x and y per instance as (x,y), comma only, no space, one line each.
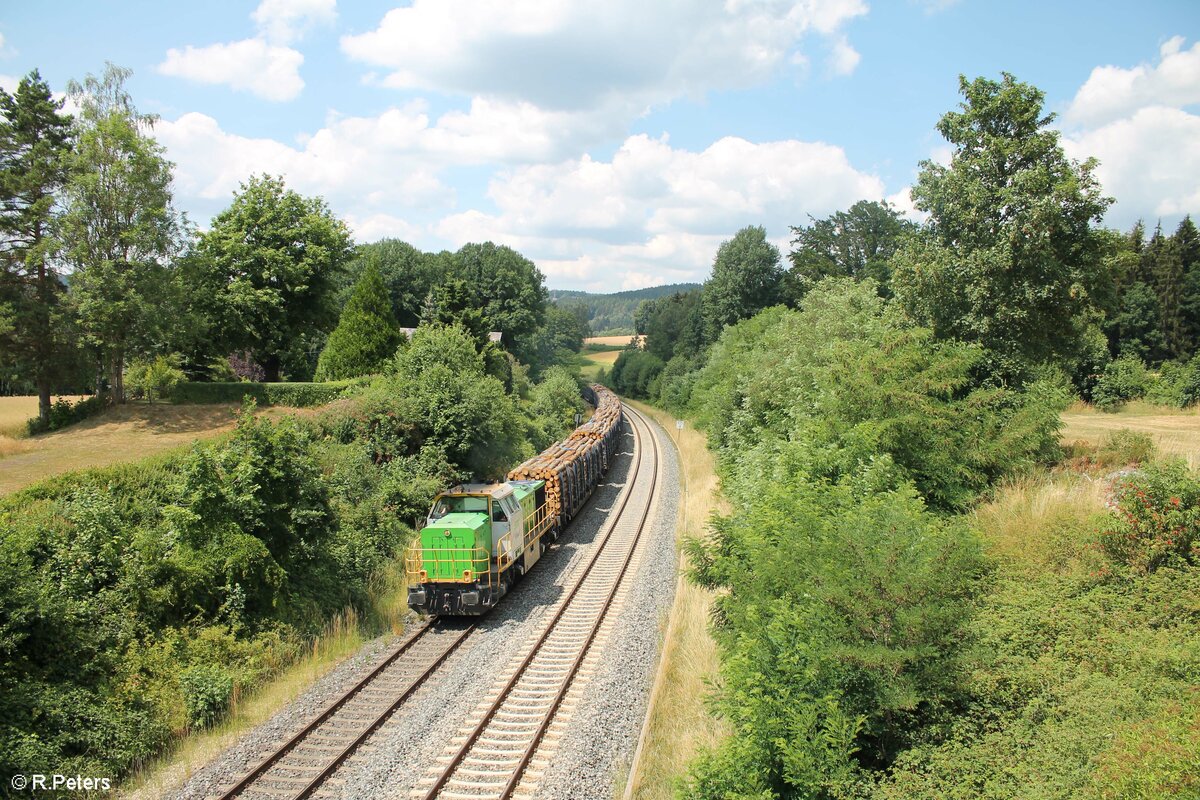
(572,468)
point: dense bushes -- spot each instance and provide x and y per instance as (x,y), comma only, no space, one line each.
(64,413)
(136,601)
(635,373)
(1157,520)
(276,394)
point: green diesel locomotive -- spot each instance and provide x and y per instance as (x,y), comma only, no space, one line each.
(480,539)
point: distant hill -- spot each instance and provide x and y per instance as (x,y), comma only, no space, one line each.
(612,314)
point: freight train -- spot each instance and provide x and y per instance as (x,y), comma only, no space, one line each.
(480,539)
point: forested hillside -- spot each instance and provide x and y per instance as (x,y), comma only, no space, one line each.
(920,593)
(614,314)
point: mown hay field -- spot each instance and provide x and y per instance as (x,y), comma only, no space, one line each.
(619,341)
(1176,432)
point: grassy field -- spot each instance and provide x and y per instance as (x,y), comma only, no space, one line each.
(678,724)
(611,340)
(119,435)
(1176,432)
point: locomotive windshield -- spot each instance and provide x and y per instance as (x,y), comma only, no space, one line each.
(454,505)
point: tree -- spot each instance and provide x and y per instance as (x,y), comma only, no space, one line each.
(746,278)
(1163,264)
(857,243)
(35,142)
(367,334)
(119,224)
(1187,243)
(674,325)
(270,263)
(1009,258)
(408,273)
(508,288)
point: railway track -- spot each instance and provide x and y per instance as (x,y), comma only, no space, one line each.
(524,711)
(306,760)
(511,738)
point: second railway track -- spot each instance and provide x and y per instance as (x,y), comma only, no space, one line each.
(508,738)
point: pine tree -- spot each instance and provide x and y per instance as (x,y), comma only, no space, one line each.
(367,333)
(35,140)
(1187,243)
(1165,266)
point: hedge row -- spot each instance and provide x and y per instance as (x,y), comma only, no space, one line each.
(276,394)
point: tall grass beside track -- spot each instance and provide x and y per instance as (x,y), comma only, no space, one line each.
(679,724)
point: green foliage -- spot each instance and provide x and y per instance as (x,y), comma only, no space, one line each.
(674,325)
(857,243)
(1123,380)
(207,690)
(841,627)
(277,394)
(119,224)
(35,142)
(635,373)
(451,399)
(266,270)
(746,278)
(843,381)
(1009,258)
(408,273)
(613,314)
(1156,519)
(1127,447)
(367,334)
(554,403)
(157,377)
(64,413)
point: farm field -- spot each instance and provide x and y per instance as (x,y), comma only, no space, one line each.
(1176,432)
(619,341)
(118,436)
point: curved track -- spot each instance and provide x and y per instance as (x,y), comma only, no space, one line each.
(512,737)
(493,758)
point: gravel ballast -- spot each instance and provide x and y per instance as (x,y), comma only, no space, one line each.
(602,735)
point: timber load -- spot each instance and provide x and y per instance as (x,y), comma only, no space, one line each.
(572,468)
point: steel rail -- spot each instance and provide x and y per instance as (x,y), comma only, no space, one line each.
(460,755)
(316,722)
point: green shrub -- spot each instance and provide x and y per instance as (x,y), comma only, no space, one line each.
(207,690)
(64,413)
(157,377)
(1124,379)
(1127,447)
(1156,519)
(367,333)
(297,395)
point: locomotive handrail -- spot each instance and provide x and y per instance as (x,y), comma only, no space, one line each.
(416,564)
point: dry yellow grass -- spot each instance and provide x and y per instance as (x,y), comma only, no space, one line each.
(613,340)
(16,411)
(679,724)
(119,435)
(1176,432)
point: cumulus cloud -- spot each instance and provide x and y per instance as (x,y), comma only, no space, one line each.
(1112,93)
(286,21)
(1150,162)
(655,210)
(269,71)
(1134,121)
(569,56)
(843,59)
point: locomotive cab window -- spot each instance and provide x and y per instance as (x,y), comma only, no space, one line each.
(498,513)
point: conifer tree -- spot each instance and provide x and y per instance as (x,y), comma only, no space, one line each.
(367,333)
(1164,264)
(35,140)
(1187,243)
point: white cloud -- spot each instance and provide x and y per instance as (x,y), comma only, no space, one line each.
(268,71)
(1148,145)
(656,210)
(564,55)
(9,83)
(286,21)
(1149,162)
(360,165)
(1111,92)
(843,59)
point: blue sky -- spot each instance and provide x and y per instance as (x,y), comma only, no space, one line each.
(617,144)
